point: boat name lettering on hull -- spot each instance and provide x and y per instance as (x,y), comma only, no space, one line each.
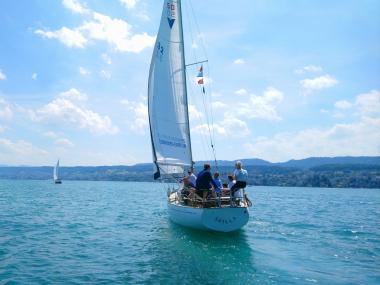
(225,221)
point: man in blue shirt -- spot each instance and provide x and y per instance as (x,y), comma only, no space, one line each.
(204,181)
(217,179)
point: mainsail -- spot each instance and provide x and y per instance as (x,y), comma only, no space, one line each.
(56,171)
(167,96)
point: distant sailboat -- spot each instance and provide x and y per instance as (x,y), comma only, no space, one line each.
(170,130)
(56,178)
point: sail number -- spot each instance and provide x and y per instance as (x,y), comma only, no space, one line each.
(171,10)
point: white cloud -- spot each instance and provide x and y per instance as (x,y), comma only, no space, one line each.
(6,112)
(2,129)
(83,71)
(129,3)
(194,45)
(359,138)
(230,126)
(308,68)
(117,33)
(21,152)
(69,37)
(106,58)
(34,76)
(239,61)
(105,74)
(261,107)
(65,110)
(62,142)
(75,6)
(2,75)
(368,103)
(74,94)
(50,134)
(194,114)
(318,83)
(338,115)
(324,111)
(139,123)
(216,94)
(241,91)
(217,105)
(343,104)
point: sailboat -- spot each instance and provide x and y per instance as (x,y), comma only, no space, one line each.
(56,178)
(170,130)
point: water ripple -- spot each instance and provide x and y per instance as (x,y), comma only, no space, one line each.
(119,233)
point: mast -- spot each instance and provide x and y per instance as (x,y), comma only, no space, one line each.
(185,81)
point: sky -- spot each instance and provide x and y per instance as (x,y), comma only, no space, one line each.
(286,79)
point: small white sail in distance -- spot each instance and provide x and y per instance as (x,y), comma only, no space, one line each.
(56,172)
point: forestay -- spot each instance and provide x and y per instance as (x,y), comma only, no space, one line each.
(167,98)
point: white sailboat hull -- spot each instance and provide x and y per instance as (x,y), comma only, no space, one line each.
(226,219)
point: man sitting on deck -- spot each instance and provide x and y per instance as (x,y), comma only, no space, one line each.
(204,182)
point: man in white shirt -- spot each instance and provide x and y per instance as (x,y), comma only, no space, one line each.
(241,176)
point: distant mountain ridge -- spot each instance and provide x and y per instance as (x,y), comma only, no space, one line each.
(305,163)
(354,172)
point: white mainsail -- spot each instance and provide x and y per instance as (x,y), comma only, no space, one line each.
(56,171)
(167,96)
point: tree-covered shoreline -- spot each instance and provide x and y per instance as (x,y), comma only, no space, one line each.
(339,175)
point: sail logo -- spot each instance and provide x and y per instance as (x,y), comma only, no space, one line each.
(173,144)
(171,13)
(160,51)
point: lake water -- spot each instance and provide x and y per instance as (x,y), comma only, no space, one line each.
(119,233)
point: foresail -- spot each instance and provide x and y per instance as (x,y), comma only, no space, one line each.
(167,98)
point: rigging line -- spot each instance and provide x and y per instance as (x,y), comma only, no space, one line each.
(203,143)
(195,63)
(208,120)
(212,119)
(203,138)
(198,29)
(195,53)
(205,52)
(191,30)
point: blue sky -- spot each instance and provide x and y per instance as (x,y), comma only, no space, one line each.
(286,79)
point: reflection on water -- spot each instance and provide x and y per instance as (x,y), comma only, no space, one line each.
(182,256)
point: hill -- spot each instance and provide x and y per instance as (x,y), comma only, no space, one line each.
(355,172)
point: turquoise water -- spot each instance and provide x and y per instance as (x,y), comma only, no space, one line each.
(119,233)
